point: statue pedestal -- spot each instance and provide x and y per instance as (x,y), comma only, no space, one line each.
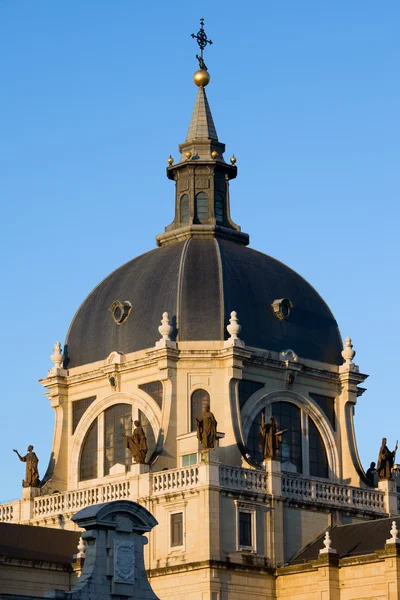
(29,493)
(274,476)
(118,469)
(388,487)
(139,469)
(210,456)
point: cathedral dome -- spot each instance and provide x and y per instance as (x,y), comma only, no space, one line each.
(202,272)
(199,281)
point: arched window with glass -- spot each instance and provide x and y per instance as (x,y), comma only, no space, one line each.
(198,400)
(202,207)
(316,448)
(185,208)
(104,444)
(219,208)
(117,423)
(288,417)
(88,462)
(294,445)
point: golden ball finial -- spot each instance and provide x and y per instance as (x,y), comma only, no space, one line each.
(170,160)
(201,78)
(188,154)
(214,154)
(233,159)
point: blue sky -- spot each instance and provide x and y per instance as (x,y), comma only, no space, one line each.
(97,94)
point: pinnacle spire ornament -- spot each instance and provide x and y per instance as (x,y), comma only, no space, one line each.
(201,77)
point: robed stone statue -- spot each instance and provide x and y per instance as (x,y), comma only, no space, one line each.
(137,443)
(271,436)
(32,474)
(207,429)
(385,461)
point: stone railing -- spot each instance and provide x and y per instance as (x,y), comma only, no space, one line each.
(70,502)
(242,479)
(300,488)
(294,486)
(175,479)
(6,513)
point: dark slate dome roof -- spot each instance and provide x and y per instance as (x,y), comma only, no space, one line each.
(199,282)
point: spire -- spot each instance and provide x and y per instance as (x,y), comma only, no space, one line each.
(201,174)
(202,124)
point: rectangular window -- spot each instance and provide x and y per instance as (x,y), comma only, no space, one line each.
(176,529)
(245,529)
(189,459)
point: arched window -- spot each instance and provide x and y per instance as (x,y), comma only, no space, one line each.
(88,464)
(219,209)
(288,417)
(117,422)
(197,402)
(318,458)
(202,207)
(185,208)
(98,455)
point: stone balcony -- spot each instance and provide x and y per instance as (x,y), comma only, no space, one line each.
(51,509)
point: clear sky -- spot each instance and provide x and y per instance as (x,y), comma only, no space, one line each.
(95,95)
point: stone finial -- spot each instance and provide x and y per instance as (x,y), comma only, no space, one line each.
(81,548)
(57,357)
(234,329)
(165,330)
(394,533)
(348,353)
(327,545)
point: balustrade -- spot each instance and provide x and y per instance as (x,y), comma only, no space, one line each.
(242,479)
(6,513)
(236,478)
(175,479)
(301,488)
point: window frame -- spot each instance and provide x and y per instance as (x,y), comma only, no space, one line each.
(244,507)
(178,509)
(184,198)
(191,464)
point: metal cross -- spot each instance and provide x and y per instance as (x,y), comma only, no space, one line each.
(202,40)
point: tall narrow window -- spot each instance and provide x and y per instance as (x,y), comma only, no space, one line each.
(288,417)
(117,422)
(185,208)
(88,462)
(318,458)
(219,209)
(198,400)
(176,529)
(202,207)
(245,529)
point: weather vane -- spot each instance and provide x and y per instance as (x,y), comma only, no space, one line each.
(202,40)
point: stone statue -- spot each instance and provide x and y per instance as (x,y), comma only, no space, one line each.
(207,429)
(271,436)
(385,461)
(370,474)
(137,443)
(32,474)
